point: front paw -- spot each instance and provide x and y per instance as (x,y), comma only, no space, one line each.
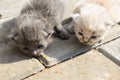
(62,35)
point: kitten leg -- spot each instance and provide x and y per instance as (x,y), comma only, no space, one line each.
(60,32)
(68,25)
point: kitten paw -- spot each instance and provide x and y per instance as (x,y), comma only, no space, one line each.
(62,35)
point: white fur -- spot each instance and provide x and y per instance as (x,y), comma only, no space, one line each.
(91,17)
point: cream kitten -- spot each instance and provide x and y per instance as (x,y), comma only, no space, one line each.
(91,20)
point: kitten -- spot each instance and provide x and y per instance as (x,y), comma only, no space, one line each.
(91,21)
(32,29)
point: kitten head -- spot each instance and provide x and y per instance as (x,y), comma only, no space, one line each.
(31,37)
(91,24)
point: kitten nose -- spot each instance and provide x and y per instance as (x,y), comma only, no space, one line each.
(86,40)
(35,52)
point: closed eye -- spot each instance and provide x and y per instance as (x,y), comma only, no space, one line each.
(26,48)
(93,37)
(40,46)
(80,33)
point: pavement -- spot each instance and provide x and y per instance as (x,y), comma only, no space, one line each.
(63,60)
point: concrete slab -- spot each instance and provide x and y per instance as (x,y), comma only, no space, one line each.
(69,7)
(90,66)
(112,50)
(15,66)
(11,7)
(60,50)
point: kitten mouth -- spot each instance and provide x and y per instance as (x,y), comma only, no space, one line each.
(35,53)
(91,44)
(86,44)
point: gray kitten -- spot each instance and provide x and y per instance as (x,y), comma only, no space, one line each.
(32,29)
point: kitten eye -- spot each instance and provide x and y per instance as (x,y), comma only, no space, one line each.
(26,48)
(80,33)
(40,46)
(93,37)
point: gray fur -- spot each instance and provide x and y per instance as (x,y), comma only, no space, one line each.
(32,29)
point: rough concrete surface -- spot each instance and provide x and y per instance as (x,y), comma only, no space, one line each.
(15,66)
(90,66)
(9,8)
(60,50)
(112,49)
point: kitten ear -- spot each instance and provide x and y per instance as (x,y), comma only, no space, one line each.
(76,17)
